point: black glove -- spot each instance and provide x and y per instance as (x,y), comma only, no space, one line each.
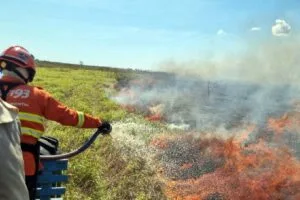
(105,128)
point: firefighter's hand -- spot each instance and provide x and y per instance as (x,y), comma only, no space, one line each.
(105,127)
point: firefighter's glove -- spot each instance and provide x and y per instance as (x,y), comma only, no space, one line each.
(105,128)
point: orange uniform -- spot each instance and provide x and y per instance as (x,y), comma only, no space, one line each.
(35,105)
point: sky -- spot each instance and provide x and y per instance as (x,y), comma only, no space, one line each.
(142,34)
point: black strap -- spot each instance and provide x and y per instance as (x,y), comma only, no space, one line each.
(5,87)
(48,145)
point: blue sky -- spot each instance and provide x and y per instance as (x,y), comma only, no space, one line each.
(140,34)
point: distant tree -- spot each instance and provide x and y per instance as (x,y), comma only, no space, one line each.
(81,63)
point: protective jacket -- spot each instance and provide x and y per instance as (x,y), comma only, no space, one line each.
(35,105)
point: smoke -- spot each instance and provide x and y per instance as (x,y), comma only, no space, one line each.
(222,96)
(274,60)
(209,105)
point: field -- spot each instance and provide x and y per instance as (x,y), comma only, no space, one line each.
(102,172)
(177,137)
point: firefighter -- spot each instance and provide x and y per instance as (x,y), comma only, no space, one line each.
(35,105)
(12,179)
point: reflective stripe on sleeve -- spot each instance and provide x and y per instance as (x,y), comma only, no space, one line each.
(32,132)
(80,119)
(31,117)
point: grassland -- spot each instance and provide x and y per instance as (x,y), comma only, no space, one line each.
(101,172)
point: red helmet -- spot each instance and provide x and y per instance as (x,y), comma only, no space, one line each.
(20,57)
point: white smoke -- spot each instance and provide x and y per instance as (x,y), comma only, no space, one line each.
(225,95)
(191,103)
(274,61)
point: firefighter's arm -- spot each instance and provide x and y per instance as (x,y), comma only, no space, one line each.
(56,111)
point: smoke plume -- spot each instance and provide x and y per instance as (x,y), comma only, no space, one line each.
(224,95)
(274,60)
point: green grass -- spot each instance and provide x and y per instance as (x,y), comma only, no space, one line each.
(101,172)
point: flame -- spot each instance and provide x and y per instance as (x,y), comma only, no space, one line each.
(155,113)
(256,171)
(287,126)
(155,117)
(279,125)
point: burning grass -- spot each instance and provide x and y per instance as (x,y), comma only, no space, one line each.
(211,168)
(255,157)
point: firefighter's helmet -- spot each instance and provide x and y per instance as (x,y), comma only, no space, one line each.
(17,56)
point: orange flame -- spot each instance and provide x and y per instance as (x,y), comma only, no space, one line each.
(279,125)
(253,172)
(156,117)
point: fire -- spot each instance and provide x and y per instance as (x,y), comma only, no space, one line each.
(226,169)
(288,122)
(152,111)
(279,125)
(156,117)
(155,113)
(257,162)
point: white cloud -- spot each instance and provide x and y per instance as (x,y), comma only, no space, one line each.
(255,29)
(221,32)
(281,28)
